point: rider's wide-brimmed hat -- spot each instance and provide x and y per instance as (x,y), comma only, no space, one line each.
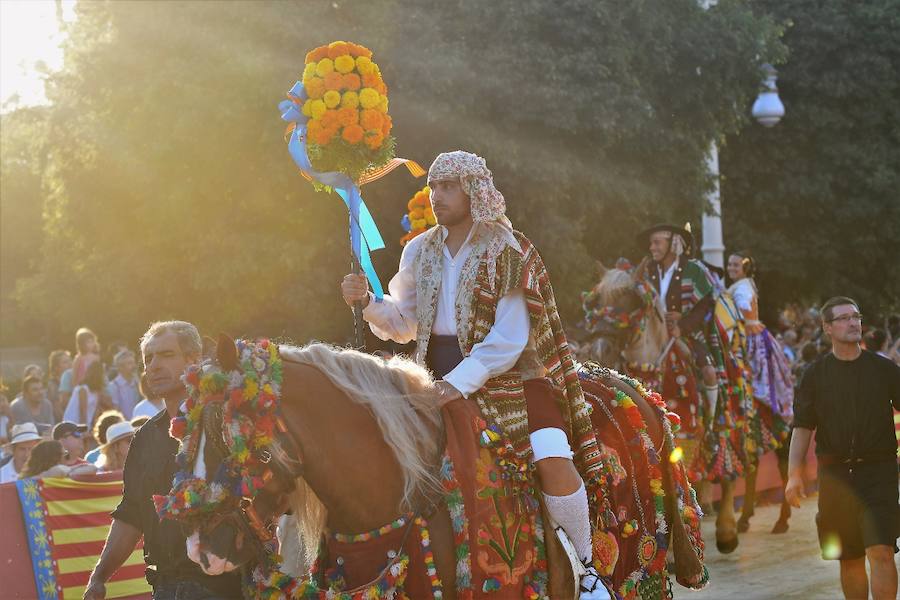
(684,232)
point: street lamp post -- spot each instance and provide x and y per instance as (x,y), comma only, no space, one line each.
(768,111)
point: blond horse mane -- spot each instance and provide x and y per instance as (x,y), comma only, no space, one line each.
(645,347)
(397,392)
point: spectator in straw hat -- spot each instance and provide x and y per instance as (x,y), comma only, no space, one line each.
(115,450)
(23,439)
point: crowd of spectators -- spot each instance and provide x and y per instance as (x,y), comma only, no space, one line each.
(78,416)
(799,329)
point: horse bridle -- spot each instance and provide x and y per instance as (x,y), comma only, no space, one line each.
(248,518)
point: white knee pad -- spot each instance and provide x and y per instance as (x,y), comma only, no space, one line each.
(550,442)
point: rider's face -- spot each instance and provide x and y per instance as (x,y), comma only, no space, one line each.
(735,267)
(659,245)
(450,203)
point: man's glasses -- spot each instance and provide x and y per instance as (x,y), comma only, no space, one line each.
(847,318)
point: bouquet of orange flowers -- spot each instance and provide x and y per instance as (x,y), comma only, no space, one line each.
(420,217)
(347,105)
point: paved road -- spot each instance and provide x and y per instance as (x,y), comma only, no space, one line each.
(767,566)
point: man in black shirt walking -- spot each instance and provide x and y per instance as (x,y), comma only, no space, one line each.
(168,348)
(847,396)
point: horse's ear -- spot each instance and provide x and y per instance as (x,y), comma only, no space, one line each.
(226,353)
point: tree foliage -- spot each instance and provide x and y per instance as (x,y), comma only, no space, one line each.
(817,197)
(165,188)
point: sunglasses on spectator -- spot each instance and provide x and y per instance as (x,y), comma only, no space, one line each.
(847,318)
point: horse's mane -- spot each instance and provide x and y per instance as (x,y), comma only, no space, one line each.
(614,283)
(397,392)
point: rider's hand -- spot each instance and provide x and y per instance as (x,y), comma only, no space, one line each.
(446,392)
(793,491)
(95,591)
(355,288)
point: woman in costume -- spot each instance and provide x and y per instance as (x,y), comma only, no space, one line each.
(771,379)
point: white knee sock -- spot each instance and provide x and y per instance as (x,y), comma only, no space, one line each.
(571,513)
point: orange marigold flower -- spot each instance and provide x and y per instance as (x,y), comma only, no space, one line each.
(336,49)
(348,116)
(344,63)
(353,134)
(416,213)
(352,81)
(371,80)
(330,120)
(383,104)
(314,56)
(374,139)
(334,81)
(386,125)
(421,198)
(357,50)
(412,205)
(370,119)
(315,88)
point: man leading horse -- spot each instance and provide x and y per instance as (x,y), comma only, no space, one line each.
(474,295)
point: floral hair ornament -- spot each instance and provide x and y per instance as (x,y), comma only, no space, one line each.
(339,136)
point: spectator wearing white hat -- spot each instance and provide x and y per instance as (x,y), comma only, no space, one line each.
(115,450)
(24,437)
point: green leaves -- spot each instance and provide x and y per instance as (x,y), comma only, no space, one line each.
(167,191)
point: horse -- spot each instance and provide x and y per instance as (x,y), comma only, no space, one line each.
(627,330)
(361,442)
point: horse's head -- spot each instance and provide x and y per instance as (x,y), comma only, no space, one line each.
(243,479)
(614,309)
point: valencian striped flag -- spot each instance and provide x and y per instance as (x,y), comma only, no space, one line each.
(66,523)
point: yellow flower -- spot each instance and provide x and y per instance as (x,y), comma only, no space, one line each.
(656,487)
(307,108)
(344,64)
(364,65)
(350,100)
(383,104)
(369,98)
(332,98)
(251,389)
(418,223)
(317,108)
(308,72)
(324,67)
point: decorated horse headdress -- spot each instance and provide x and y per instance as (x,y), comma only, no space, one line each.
(237,406)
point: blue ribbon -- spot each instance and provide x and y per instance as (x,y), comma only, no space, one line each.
(364,234)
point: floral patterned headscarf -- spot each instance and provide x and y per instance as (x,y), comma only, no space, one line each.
(486,203)
(477,182)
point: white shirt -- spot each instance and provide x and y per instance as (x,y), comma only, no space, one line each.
(665,280)
(73,410)
(8,473)
(742,291)
(146,408)
(395,318)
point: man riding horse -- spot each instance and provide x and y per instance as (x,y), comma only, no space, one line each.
(475,296)
(686,292)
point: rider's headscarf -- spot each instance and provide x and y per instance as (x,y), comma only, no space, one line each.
(487,204)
